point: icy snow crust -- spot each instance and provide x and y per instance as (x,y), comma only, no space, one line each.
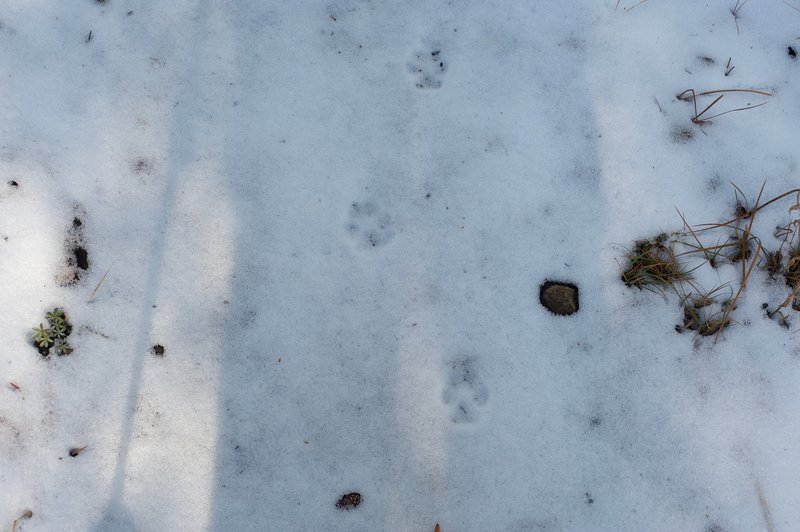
(335,218)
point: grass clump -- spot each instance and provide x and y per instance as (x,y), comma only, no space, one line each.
(772,262)
(653,264)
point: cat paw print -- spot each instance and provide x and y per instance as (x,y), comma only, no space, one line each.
(428,67)
(369,225)
(465,392)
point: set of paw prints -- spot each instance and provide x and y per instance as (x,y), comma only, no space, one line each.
(369,225)
(428,68)
(465,392)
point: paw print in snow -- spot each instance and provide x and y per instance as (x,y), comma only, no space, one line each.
(369,225)
(428,68)
(464,391)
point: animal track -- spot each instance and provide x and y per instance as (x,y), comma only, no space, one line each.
(428,68)
(142,166)
(465,391)
(369,225)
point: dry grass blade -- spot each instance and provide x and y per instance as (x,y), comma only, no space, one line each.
(27,514)
(710,257)
(792,274)
(741,210)
(692,95)
(693,100)
(634,6)
(745,239)
(660,110)
(729,68)
(790,5)
(733,111)
(790,300)
(713,252)
(762,502)
(696,117)
(732,303)
(722,91)
(735,12)
(103,278)
(75,451)
(780,197)
(749,213)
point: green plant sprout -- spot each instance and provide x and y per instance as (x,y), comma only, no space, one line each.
(56,315)
(62,348)
(55,336)
(58,330)
(41,336)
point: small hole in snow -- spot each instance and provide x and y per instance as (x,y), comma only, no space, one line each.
(81,257)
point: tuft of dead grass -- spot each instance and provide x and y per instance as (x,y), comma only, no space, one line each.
(773,262)
(704,313)
(664,262)
(652,264)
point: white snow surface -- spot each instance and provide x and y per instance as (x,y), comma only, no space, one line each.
(335,217)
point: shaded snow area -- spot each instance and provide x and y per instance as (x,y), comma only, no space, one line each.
(300,246)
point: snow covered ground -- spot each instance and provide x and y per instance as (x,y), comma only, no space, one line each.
(335,218)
